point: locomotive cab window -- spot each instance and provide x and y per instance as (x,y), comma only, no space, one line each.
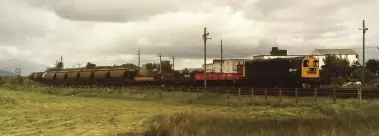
(315,63)
(305,63)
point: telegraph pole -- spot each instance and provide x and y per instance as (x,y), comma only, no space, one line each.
(61,59)
(139,61)
(139,58)
(17,72)
(79,64)
(205,38)
(173,63)
(222,61)
(160,63)
(364,29)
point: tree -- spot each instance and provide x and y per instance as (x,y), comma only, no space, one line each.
(150,69)
(90,65)
(185,71)
(336,67)
(59,65)
(197,71)
(373,66)
(353,69)
(129,65)
(166,67)
(335,70)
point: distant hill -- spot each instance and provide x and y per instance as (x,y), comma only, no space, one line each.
(26,66)
(6,73)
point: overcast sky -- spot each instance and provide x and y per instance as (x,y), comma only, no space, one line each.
(112,31)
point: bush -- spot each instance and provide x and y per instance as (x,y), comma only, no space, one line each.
(338,81)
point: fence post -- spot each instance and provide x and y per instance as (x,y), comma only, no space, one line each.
(161,93)
(197,91)
(296,95)
(280,94)
(239,94)
(227,95)
(252,94)
(265,93)
(360,96)
(217,89)
(334,95)
(128,90)
(172,91)
(149,90)
(139,90)
(188,89)
(315,94)
(180,89)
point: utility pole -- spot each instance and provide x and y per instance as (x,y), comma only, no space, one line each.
(79,64)
(364,29)
(17,72)
(61,59)
(139,61)
(222,61)
(173,63)
(139,58)
(205,38)
(160,63)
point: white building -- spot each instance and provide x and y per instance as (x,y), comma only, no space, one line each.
(228,65)
(274,57)
(348,54)
(209,67)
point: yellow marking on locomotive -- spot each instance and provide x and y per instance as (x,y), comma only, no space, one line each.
(310,67)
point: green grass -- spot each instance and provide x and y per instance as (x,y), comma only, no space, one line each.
(26,110)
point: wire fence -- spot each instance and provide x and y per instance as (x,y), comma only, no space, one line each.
(296,93)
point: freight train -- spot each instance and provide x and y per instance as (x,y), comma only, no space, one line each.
(280,72)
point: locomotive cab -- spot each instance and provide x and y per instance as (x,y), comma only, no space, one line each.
(310,72)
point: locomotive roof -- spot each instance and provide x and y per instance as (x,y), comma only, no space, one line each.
(292,58)
(334,51)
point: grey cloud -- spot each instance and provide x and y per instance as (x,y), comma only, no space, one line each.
(121,10)
(18,23)
(84,30)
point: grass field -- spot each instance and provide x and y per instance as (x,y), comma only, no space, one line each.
(51,111)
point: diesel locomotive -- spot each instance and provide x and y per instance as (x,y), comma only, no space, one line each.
(294,72)
(281,72)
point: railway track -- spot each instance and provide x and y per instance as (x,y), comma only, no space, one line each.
(336,93)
